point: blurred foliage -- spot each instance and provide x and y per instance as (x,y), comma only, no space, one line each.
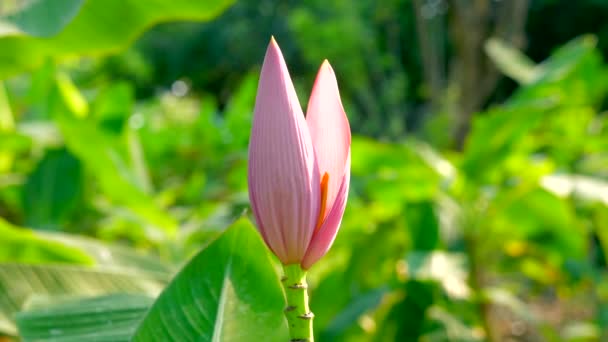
(115,171)
(32,31)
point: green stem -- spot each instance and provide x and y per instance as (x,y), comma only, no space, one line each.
(299,317)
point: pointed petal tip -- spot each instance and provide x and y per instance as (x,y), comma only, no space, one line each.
(325,66)
(274,58)
(273,45)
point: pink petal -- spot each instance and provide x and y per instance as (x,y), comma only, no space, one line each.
(283,175)
(329,130)
(325,236)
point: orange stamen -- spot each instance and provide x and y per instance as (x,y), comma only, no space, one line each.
(324,184)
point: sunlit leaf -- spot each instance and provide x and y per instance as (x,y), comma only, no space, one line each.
(25,246)
(111,318)
(111,255)
(7,122)
(20,283)
(448,269)
(391,173)
(40,18)
(228,292)
(72,98)
(587,188)
(453,329)
(503,297)
(510,61)
(498,134)
(99,26)
(581,331)
(542,219)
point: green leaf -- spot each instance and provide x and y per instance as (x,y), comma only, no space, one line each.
(21,283)
(448,269)
(392,173)
(567,85)
(71,96)
(42,18)
(111,255)
(228,292)
(510,61)
(101,26)
(352,312)
(52,191)
(498,134)
(7,126)
(423,223)
(452,328)
(406,319)
(106,156)
(23,245)
(111,318)
(238,112)
(113,106)
(574,75)
(7,121)
(26,246)
(541,218)
(580,186)
(581,331)
(116,268)
(502,297)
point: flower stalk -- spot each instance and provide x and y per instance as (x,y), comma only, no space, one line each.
(298,314)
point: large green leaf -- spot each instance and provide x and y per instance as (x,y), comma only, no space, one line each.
(111,318)
(228,292)
(21,283)
(100,26)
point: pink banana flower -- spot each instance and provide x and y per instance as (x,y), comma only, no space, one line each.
(299,168)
